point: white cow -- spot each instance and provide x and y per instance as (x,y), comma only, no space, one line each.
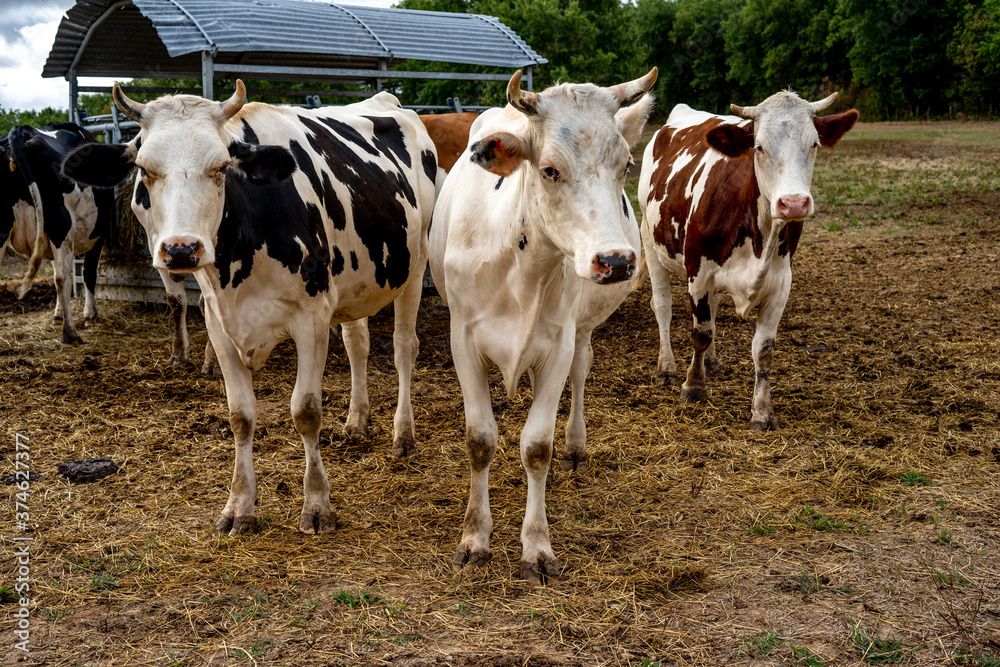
(533,245)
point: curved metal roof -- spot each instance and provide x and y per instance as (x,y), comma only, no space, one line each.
(164,38)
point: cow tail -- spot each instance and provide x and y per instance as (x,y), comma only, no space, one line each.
(3,250)
(17,141)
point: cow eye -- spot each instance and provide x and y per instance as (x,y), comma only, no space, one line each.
(628,166)
(816,144)
(221,171)
(142,173)
(759,149)
(550,173)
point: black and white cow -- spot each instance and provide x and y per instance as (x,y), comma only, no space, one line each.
(44,215)
(290,219)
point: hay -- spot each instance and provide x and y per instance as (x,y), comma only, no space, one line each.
(688,533)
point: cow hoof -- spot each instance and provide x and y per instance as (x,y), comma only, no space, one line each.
(770,424)
(210,369)
(470,559)
(71,338)
(57,318)
(177,361)
(235,525)
(574,462)
(404,447)
(89,322)
(540,572)
(357,433)
(713,368)
(667,379)
(317,522)
(692,394)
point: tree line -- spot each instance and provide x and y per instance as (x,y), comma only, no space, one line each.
(891,59)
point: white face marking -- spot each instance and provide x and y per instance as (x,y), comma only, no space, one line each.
(785,147)
(184,142)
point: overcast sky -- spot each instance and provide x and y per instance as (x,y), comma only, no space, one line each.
(27,30)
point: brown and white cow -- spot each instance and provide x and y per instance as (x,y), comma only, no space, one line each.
(724,198)
(533,245)
(450,134)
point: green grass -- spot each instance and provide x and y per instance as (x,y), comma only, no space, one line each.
(877,650)
(359,599)
(911,478)
(760,644)
(102,581)
(810,518)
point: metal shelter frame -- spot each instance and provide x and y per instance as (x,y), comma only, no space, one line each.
(275,40)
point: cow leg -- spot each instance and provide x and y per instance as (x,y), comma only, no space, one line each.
(180,349)
(574,454)
(702,337)
(58,315)
(768,316)
(90,261)
(662,303)
(405,346)
(481,437)
(538,561)
(356,343)
(712,366)
(238,514)
(307,413)
(63,265)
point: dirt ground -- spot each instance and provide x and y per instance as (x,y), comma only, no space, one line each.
(865,531)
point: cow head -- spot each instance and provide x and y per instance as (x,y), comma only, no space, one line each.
(183,155)
(572,141)
(784,136)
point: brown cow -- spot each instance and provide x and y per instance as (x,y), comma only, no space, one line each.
(724,198)
(450,134)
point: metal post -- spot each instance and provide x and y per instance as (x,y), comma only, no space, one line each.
(73,96)
(207,75)
(383,66)
(527,78)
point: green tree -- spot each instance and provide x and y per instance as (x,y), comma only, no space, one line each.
(976,52)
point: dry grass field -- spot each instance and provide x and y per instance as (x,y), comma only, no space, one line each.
(864,532)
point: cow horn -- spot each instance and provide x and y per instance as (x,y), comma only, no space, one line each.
(823,103)
(231,107)
(524,101)
(131,109)
(631,91)
(743,112)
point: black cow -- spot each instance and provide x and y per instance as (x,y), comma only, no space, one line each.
(45,215)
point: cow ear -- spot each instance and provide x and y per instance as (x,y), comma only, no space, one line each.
(100,165)
(832,128)
(731,140)
(499,153)
(632,119)
(262,165)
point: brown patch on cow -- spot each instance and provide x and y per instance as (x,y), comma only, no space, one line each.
(241,425)
(450,134)
(307,415)
(538,455)
(482,449)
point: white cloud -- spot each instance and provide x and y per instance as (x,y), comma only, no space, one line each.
(27,32)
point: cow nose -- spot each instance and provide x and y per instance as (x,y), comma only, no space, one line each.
(793,207)
(179,253)
(612,267)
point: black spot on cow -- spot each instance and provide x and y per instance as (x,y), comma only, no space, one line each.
(249,135)
(354,261)
(380,222)
(522,244)
(337,263)
(388,137)
(499,183)
(702,310)
(429,163)
(625,206)
(142,195)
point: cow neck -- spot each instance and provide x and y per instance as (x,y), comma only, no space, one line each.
(770,230)
(539,264)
